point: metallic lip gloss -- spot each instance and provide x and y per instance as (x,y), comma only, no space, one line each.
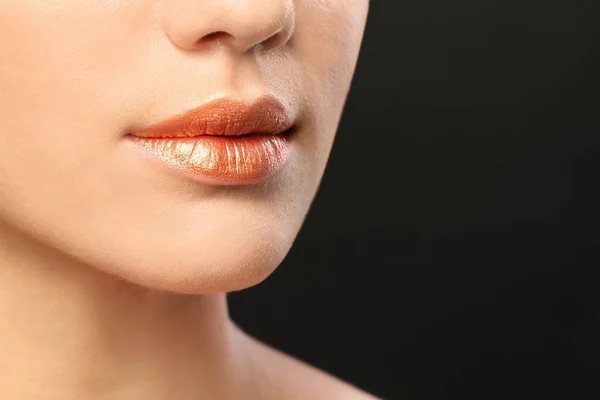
(223,142)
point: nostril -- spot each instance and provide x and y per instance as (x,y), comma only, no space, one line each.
(213,36)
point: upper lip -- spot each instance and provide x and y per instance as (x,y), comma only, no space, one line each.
(224,117)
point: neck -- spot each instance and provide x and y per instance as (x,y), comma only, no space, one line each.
(71,332)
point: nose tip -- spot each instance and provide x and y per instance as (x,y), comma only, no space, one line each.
(240,24)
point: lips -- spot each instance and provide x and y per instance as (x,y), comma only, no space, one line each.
(222,142)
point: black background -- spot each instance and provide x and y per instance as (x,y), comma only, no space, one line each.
(450,252)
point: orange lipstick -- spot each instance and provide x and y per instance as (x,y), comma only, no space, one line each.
(223,142)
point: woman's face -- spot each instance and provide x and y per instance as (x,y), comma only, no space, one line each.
(76,76)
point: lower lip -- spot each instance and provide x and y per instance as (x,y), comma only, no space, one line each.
(220,160)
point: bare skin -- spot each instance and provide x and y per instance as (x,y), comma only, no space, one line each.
(113,274)
(70,332)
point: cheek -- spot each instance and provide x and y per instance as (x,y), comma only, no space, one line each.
(329,37)
(64,68)
(326,43)
(58,52)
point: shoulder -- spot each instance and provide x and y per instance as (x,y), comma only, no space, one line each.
(287,378)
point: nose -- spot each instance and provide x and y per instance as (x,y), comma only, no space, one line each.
(241,24)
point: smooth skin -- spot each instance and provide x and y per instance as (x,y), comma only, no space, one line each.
(113,273)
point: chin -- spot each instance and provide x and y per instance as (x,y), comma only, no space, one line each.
(187,240)
(221,254)
(204,269)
